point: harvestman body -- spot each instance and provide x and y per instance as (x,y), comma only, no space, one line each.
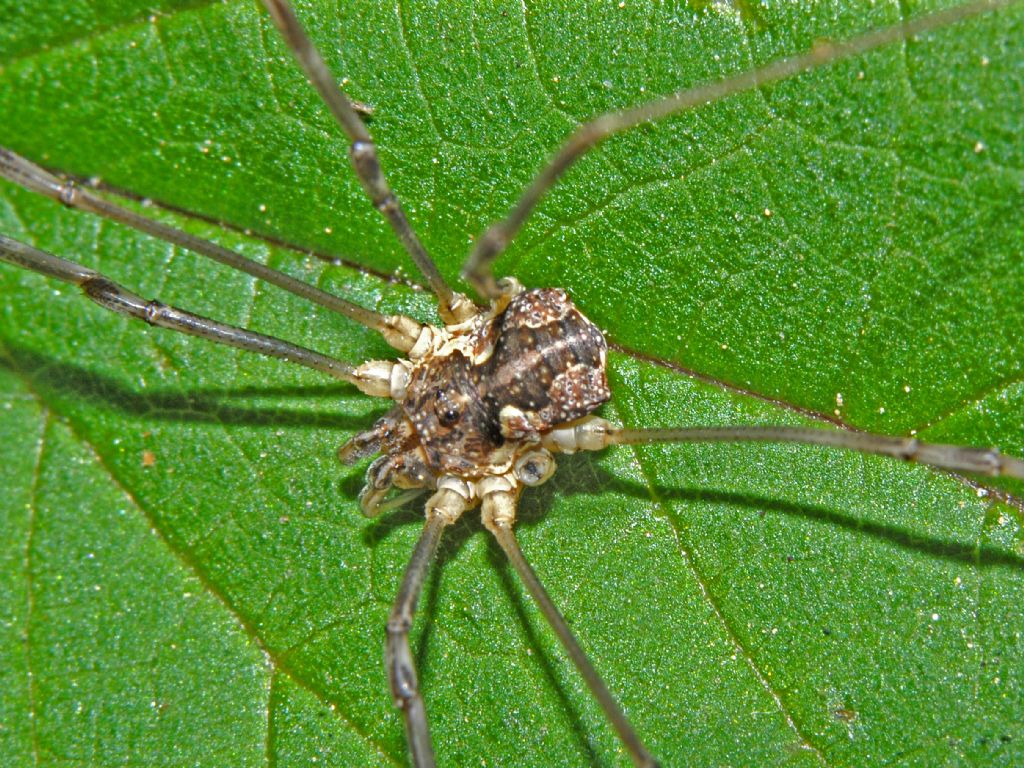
(483,403)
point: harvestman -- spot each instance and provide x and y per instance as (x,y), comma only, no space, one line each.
(485,402)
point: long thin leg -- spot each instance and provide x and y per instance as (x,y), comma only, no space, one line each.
(363,153)
(498,511)
(116,298)
(595,434)
(983,461)
(442,510)
(494,240)
(37,179)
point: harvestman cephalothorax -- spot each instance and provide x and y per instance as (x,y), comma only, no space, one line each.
(517,428)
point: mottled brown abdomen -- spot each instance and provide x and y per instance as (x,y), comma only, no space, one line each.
(538,364)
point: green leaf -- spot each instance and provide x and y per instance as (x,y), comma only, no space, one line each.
(184,574)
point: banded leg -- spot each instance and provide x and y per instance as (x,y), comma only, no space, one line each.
(118,299)
(454,307)
(443,509)
(399,331)
(593,434)
(498,512)
(496,238)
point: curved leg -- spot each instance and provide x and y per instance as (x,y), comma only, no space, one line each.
(495,238)
(443,509)
(454,307)
(498,512)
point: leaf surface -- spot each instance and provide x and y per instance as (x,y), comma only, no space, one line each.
(184,573)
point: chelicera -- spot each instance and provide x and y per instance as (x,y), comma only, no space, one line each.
(484,403)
